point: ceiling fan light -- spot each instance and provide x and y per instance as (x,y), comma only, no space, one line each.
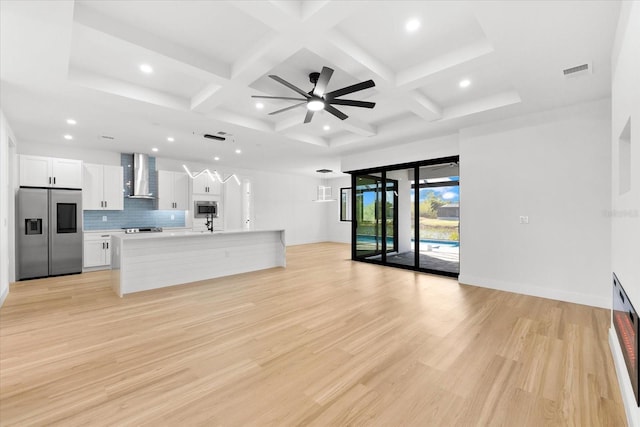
(315,105)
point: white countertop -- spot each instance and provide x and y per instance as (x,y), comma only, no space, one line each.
(121,230)
(185,233)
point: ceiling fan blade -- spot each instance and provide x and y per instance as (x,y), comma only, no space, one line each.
(288,108)
(323,81)
(352,103)
(349,89)
(339,114)
(309,116)
(290,86)
(278,97)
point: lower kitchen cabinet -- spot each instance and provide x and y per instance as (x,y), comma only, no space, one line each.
(97,251)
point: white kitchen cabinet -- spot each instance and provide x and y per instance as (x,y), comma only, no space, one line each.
(173,190)
(37,171)
(102,187)
(97,250)
(203,184)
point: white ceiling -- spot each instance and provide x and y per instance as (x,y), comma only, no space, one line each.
(81,59)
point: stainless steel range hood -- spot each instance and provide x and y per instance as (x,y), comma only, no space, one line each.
(141,177)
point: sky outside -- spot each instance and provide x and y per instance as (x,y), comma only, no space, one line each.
(450,194)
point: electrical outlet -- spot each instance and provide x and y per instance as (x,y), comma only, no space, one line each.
(524,219)
(104,217)
(173,217)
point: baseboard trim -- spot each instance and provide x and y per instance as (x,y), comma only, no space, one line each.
(628,399)
(3,296)
(536,291)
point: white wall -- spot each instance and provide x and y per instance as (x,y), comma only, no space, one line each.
(337,231)
(553,167)
(625,213)
(7,191)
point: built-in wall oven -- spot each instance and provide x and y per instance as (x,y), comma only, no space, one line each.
(204,208)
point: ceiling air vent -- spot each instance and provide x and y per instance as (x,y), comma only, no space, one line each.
(578,70)
(107,137)
(324,171)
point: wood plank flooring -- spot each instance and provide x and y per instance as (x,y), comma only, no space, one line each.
(324,342)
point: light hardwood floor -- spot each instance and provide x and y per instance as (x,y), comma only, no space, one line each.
(324,342)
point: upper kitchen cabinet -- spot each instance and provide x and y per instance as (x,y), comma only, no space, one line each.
(37,171)
(203,184)
(173,190)
(102,187)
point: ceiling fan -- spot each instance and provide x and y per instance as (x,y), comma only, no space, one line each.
(318,99)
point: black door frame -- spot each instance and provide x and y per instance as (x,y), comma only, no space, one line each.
(383,171)
(383,203)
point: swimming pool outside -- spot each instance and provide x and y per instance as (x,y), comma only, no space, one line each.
(372,239)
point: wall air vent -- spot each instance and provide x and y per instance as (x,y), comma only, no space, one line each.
(578,70)
(216,137)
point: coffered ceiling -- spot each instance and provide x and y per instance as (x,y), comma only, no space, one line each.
(81,59)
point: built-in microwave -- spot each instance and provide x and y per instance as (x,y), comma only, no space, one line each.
(204,208)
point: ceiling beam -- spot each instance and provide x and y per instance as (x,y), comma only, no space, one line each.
(86,16)
(359,127)
(492,102)
(416,76)
(112,86)
(422,106)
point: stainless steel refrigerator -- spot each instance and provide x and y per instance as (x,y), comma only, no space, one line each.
(49,232)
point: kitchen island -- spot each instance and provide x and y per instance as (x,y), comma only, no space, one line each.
(145,261)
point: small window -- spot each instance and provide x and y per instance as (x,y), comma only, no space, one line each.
(345,204)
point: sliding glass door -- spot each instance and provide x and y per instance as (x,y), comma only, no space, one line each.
(375,232)
(438,219)
(408,216)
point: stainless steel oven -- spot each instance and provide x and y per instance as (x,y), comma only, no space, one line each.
(205,207)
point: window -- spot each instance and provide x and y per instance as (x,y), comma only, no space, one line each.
(345,204)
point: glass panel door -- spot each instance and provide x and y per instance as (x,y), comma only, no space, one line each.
(439,220)
(400,181)
(368,216)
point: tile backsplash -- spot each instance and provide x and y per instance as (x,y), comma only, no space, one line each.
(137,212)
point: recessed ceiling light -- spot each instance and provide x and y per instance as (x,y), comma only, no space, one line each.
(68,137)
(326,127)
(464,83)
(71,121)
(238,151)
(146,68)
(315,105)
(216,158)
(170,139)
(259,105)
(412,25)
(154,149)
